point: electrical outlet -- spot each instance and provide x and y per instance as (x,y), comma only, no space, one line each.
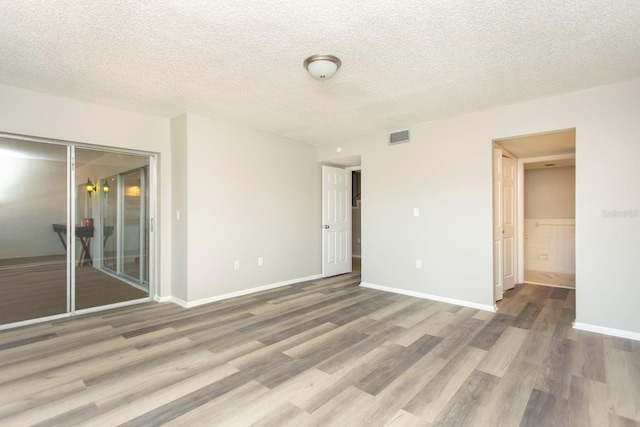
(260,261)
(236,265)
(543,257)
(418,263)
(416,212)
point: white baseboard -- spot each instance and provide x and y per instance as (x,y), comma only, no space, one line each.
(463,303)
(180,302)
(34,321)
(607,331)
(202,301)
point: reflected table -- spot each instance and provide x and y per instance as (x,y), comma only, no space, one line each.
(84,234)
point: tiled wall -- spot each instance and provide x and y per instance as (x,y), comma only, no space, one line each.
(549,245)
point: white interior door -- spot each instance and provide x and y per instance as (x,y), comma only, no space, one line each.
(497,225)
(336,221)
(509,171)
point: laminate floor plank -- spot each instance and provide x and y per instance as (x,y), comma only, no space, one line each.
(461,408)
(435,395)
(111,394)
(499,358)
(508,400)
(346,408)
(623,383)
(384,374)
(535,348)
(395,308)
(394,396)
(346,356)
(321,352)
(487,337)
(455,336)
(555,375)
(595,413)
(218,411)
(264,405)
(285,414)
(618,421)
(545,409)
(325,390)
(527,315)
(160,401)
(404,419)
(589,360)
(267,351)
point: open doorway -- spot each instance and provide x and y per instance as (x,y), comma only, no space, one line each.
(356,215)
(549,223)
(544,248)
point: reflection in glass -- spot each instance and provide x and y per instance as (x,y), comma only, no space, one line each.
(118,218)
(33,216)
(109,205)
(108,229)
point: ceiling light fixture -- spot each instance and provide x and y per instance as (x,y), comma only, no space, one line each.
(322,67)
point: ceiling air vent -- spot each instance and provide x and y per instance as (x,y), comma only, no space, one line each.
(399,137)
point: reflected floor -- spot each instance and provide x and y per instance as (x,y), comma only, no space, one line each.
(535,277)
(36,287)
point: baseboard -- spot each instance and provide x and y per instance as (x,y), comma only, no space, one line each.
(607,331)
(189,304)
(34,321)
(463,303)
(180,302)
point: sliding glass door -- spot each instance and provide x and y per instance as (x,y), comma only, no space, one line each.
(116,267)
(126,212)
(74,228)
(33,238)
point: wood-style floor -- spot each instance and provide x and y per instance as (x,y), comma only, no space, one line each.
(322,353)
(32,288)
(536,277)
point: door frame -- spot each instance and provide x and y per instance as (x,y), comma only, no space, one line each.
(520,198)
(516,225)
(71,201)
(325,226)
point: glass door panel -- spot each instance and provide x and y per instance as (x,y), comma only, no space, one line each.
(135,217)
(107,268)
(33,230)
(109,205)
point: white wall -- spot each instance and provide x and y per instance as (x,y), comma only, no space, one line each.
(446,172)
(550,193)
(250,194)
(31,204)
(179,191)
(31,113)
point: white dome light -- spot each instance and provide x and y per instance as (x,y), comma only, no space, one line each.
(322,67)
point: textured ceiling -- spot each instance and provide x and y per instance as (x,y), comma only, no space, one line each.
(404,61)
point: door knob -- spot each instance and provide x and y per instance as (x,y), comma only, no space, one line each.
(326,227)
